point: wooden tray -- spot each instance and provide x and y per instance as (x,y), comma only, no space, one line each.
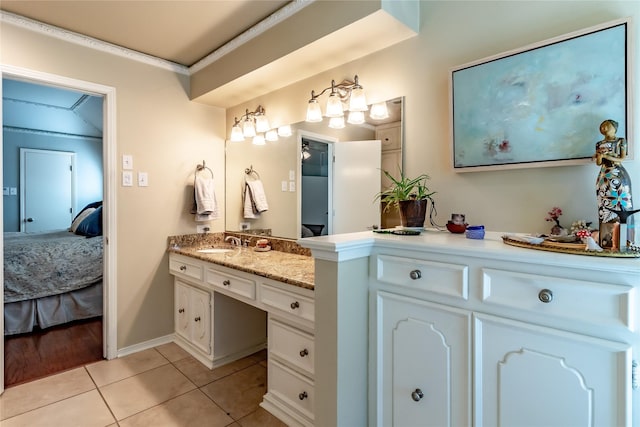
(569,248)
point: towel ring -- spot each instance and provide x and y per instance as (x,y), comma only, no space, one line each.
(203,166)
(250,171)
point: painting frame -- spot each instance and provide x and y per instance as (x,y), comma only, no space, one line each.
(508,111)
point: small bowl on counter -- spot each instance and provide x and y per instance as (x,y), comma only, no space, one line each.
(456,228)
(475,232)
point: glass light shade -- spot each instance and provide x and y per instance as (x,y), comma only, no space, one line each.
(357,101)
(336,122)
(314,113)
(379,111)
(356,117)
(305,154)
(284,131)
(262,123)
(236,134)
(248,129)
(271,135)
(334,106)
(259,139)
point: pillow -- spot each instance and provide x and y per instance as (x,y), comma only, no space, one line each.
(79,218)
(93,205)
(91,226)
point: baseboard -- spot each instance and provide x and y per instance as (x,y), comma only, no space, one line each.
(145,345)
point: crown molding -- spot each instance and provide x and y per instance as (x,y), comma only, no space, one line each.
(253,32)
(16,129)
(90,42)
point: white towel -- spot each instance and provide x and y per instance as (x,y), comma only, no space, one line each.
(258,196)
(247,204)
(205,197)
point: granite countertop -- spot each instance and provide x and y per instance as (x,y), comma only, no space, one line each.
(290,268)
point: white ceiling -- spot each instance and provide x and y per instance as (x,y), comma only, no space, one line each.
(180,31)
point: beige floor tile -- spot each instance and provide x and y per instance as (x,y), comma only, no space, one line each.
(26,397)
(172,351)
(240,393)
(261,418)
(143,391)
(110,371)
(83,410)
(189,410)
(200,375)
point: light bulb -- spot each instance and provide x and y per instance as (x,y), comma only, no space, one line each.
(236,134)
(259,139)
(356,117)
(336,122)
(248,129)
(379,111)
(334,106)
(314,113)
(357,101)
(284,131)
(271,135)
(262,123)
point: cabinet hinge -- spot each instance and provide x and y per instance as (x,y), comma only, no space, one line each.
(634,375)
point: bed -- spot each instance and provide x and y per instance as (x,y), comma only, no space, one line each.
(50,278)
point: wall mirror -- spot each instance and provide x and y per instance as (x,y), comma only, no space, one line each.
(279,166)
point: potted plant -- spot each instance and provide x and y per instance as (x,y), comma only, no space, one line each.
(410,196)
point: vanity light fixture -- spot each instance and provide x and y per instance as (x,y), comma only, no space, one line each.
(379,111)
(342,92)
(255,125)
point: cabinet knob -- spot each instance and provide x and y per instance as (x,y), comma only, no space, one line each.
(303,395)
(197,319)
(183,267)
(417,395)
(304,352)
(415,274)
(226,283)
(546,296)
(295,305)
(181,310)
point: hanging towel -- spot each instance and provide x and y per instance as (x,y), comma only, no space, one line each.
(247,204)
(258,197)
(205,199)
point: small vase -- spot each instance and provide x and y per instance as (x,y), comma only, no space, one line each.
(412,212)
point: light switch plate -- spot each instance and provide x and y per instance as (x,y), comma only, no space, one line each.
(284,185)
(292,186)
(127,178)
(143,179)
(292,175)
(127,161)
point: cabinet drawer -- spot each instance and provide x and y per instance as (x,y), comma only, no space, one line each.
(289,302)
(291,345)
(183,266)
(234,284)
(437,277)
(292,388)
(597,303)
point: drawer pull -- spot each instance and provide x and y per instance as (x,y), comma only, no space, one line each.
(417,395)
(226,283)
(183,268)
(415,274)
(197,319)
(546,296)
(304,352)
(181,310)
(303,395)
(295,305)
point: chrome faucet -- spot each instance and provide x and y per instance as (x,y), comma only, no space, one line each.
(234,240)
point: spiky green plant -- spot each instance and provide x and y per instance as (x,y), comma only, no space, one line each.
(404,188)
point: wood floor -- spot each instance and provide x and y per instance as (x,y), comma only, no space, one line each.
(44,352)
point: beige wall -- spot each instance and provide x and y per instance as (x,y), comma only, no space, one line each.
(454,33)
(167,136)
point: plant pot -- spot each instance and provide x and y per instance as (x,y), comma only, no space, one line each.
(412,212)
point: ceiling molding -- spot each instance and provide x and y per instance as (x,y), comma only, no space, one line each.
(48,133)
(269,22)
(90,42)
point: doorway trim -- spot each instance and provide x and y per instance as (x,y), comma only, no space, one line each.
(109,347)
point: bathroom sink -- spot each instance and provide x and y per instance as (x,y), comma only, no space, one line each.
(214,250)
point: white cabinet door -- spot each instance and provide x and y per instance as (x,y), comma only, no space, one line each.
(181,315)
(529,375)
(423,361)
(201,320)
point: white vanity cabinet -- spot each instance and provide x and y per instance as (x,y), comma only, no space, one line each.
(483,342)
(192,316)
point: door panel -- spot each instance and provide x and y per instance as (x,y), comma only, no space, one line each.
(46,189)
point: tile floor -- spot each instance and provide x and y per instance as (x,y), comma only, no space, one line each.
(163,386)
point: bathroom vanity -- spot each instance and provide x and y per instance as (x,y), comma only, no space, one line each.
(228,303)
(472,332)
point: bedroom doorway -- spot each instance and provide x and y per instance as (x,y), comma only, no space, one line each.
(107,96)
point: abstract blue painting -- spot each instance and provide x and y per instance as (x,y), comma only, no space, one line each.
(540,104)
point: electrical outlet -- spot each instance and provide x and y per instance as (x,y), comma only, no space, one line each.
(5,191)
(202,229)
(244,226)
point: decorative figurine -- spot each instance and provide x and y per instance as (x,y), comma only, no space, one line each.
(613,190)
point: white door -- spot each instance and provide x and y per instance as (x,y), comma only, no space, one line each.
(47,195)
(535,376)
(356,181)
